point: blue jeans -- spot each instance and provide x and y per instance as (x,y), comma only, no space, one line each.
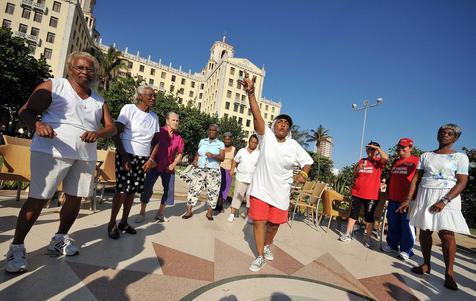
(400,233)
(168,183)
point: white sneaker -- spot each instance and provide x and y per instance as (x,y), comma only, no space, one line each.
(345,237)
(139,219)
(231,218)
(62,244)
(388,249)
(16,261)
(268,255)
(161,218)
(404,255)
(257,264)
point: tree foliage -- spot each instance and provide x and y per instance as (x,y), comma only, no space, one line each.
(468,196)
(20,72)
(323,170)
(111,63)
(301,136)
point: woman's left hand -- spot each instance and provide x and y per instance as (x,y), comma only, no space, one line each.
(209,155)
(437,207)
(148,165)
(89,137)
(300,179)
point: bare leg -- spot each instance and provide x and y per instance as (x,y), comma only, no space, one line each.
(232,210)
(448,244)
(350,225)
(259,231)
(368,229)
(69,213)
(126,209)
(142,208)
(161,209)
(210,212)
(116,206)
(426,242)
(27,217)
(271,230)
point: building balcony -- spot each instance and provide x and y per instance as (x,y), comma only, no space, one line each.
(26,36)
(35,5)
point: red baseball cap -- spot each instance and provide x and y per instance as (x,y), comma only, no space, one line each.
(405,142)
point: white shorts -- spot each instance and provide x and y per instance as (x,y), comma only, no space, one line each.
(241,194)
(48,172)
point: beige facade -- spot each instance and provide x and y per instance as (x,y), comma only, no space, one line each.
(53,28)
(214,90)
(325,148)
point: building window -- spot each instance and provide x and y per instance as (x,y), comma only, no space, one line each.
(243,97)
(272,117)
(265,115)
(183,81)
(48,53)
(57,6)
(240,120)
(192,84)
(151,82)
(190,94)
(53,22)
(199,105)
(162,75)
(240,73)
(232,71)
(141,68)
(200,96)
(242,109)
(26,13)
(23,28)
(152,71)
(230,82)
(226,115)
(248,122)
(38,17)
(32,47)
(272,109)
(129,64)
(172,88)
(235,107)
(10,9)
(34,31)
(180,91)
(6,23)
(237,97)
(180,100)
(202,86)
(50,37)
(227,105)
(161,85)
(173,78)
(228,94)
(249,112)
(266,107)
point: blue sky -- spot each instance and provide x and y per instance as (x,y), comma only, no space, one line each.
(322,56)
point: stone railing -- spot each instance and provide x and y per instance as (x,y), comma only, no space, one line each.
(26,36)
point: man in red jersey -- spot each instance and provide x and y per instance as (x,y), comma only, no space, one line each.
(401,236)
(365,191)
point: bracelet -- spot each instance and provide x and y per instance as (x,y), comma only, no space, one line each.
(250,91)
(445,200)
(304,174)
(150,159)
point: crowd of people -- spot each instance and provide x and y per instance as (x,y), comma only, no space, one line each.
(422,192)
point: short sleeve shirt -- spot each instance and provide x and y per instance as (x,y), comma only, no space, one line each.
(139,129)
(209,146)
(272,178)
(401,175)
(169,147)
(246,164)
(367,182)
(440,170)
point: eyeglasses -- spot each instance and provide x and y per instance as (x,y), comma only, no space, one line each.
(85,69)
(148,95)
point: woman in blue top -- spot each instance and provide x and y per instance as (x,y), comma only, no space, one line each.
(211,152)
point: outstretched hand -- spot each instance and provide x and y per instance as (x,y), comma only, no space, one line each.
(248,84)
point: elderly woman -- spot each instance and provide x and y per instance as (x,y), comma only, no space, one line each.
(211,152)
(136,126)
(225,168)
(271,182)
(63,150)
(441,176)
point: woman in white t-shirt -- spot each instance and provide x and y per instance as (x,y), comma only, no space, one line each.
(441,176)
(245,163)
(136,127)
(271,183)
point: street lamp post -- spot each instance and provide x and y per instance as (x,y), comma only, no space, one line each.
(366,106)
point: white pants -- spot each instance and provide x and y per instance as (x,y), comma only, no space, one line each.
(240,195)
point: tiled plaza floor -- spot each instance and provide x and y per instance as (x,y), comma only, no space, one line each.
(197,259)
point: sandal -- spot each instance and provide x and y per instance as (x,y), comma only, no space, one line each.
(114,233)
(450,283)
(126,228)
(210,218)
(187,216)
(419,270)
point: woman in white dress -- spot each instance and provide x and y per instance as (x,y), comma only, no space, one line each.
(441,176)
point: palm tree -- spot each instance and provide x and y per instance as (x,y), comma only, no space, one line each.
(318,136)
(110,63)
(300,136)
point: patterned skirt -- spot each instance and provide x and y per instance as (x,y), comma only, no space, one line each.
(130,181)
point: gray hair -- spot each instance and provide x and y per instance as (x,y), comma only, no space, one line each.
(228,134)
(455,128)
(140,90)
(215,126)
(167,116)
(81,54)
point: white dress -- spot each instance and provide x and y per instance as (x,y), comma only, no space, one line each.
(439,176)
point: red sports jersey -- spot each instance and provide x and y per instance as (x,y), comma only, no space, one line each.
(367,182)
(401,176)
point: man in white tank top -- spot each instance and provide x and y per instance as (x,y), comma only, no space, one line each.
(63,150)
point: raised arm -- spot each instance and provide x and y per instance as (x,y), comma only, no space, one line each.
(258,121)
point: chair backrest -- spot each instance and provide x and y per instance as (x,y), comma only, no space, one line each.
(108,168)
(16,140)
(317,192)
(328,196)
(16,160)
(308,186)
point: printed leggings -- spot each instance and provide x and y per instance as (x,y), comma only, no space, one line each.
(209,178)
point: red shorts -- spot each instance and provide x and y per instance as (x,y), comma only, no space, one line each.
(261,211)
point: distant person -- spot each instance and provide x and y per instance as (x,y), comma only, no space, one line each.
(63,150)
(271,183)
(245,164)
(365,191)
(441,177)
(211,151)
(400,235)
(169,154)
(136,127)
(225,168)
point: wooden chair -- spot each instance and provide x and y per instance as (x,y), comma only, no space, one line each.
(16,140)
(105,174)
(16,165)
(309,201)
(331,201)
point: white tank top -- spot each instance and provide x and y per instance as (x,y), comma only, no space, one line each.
(70,116)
